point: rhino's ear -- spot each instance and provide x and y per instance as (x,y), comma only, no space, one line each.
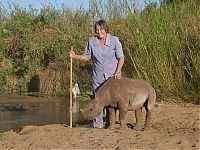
(81,113)
(92,95)
(81,110)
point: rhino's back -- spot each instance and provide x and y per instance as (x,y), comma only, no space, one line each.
(128,83)
(126,88)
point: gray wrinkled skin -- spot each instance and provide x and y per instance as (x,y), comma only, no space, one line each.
(124,95)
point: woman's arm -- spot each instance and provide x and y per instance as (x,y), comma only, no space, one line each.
(78,57)
(120,64)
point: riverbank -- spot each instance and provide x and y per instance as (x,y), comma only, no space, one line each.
(174,126)
(22,99)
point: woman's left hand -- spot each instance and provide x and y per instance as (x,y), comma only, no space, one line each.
(117,75)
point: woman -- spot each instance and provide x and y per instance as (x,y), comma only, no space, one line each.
(106,50)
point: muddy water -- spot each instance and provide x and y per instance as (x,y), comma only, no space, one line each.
(41,113)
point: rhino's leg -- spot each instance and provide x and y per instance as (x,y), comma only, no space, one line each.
(148,119)
(112,118)
(138,116)
(148,115)
(122,118)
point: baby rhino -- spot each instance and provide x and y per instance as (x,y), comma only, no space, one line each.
(126,95)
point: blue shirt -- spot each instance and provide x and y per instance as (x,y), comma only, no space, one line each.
(105,57)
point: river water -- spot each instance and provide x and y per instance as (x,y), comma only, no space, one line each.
(55,112)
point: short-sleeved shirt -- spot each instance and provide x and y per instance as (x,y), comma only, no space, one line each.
(105,57)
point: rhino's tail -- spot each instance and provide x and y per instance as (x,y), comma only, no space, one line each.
(149,104)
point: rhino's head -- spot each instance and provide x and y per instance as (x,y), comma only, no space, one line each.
(92,110)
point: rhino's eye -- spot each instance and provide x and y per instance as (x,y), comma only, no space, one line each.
(91,109)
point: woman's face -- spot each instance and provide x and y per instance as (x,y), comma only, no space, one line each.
(101,32)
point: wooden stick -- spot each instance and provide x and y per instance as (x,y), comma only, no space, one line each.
(70,99)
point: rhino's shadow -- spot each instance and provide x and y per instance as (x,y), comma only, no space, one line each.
(128,125)
(89,124)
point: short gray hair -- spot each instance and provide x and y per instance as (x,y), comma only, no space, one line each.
(103,24)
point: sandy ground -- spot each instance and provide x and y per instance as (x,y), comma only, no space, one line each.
(174,126)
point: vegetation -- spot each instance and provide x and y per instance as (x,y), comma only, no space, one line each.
(161,44)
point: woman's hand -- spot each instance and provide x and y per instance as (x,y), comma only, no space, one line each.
(117,75)
(72,54)
(77,57)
